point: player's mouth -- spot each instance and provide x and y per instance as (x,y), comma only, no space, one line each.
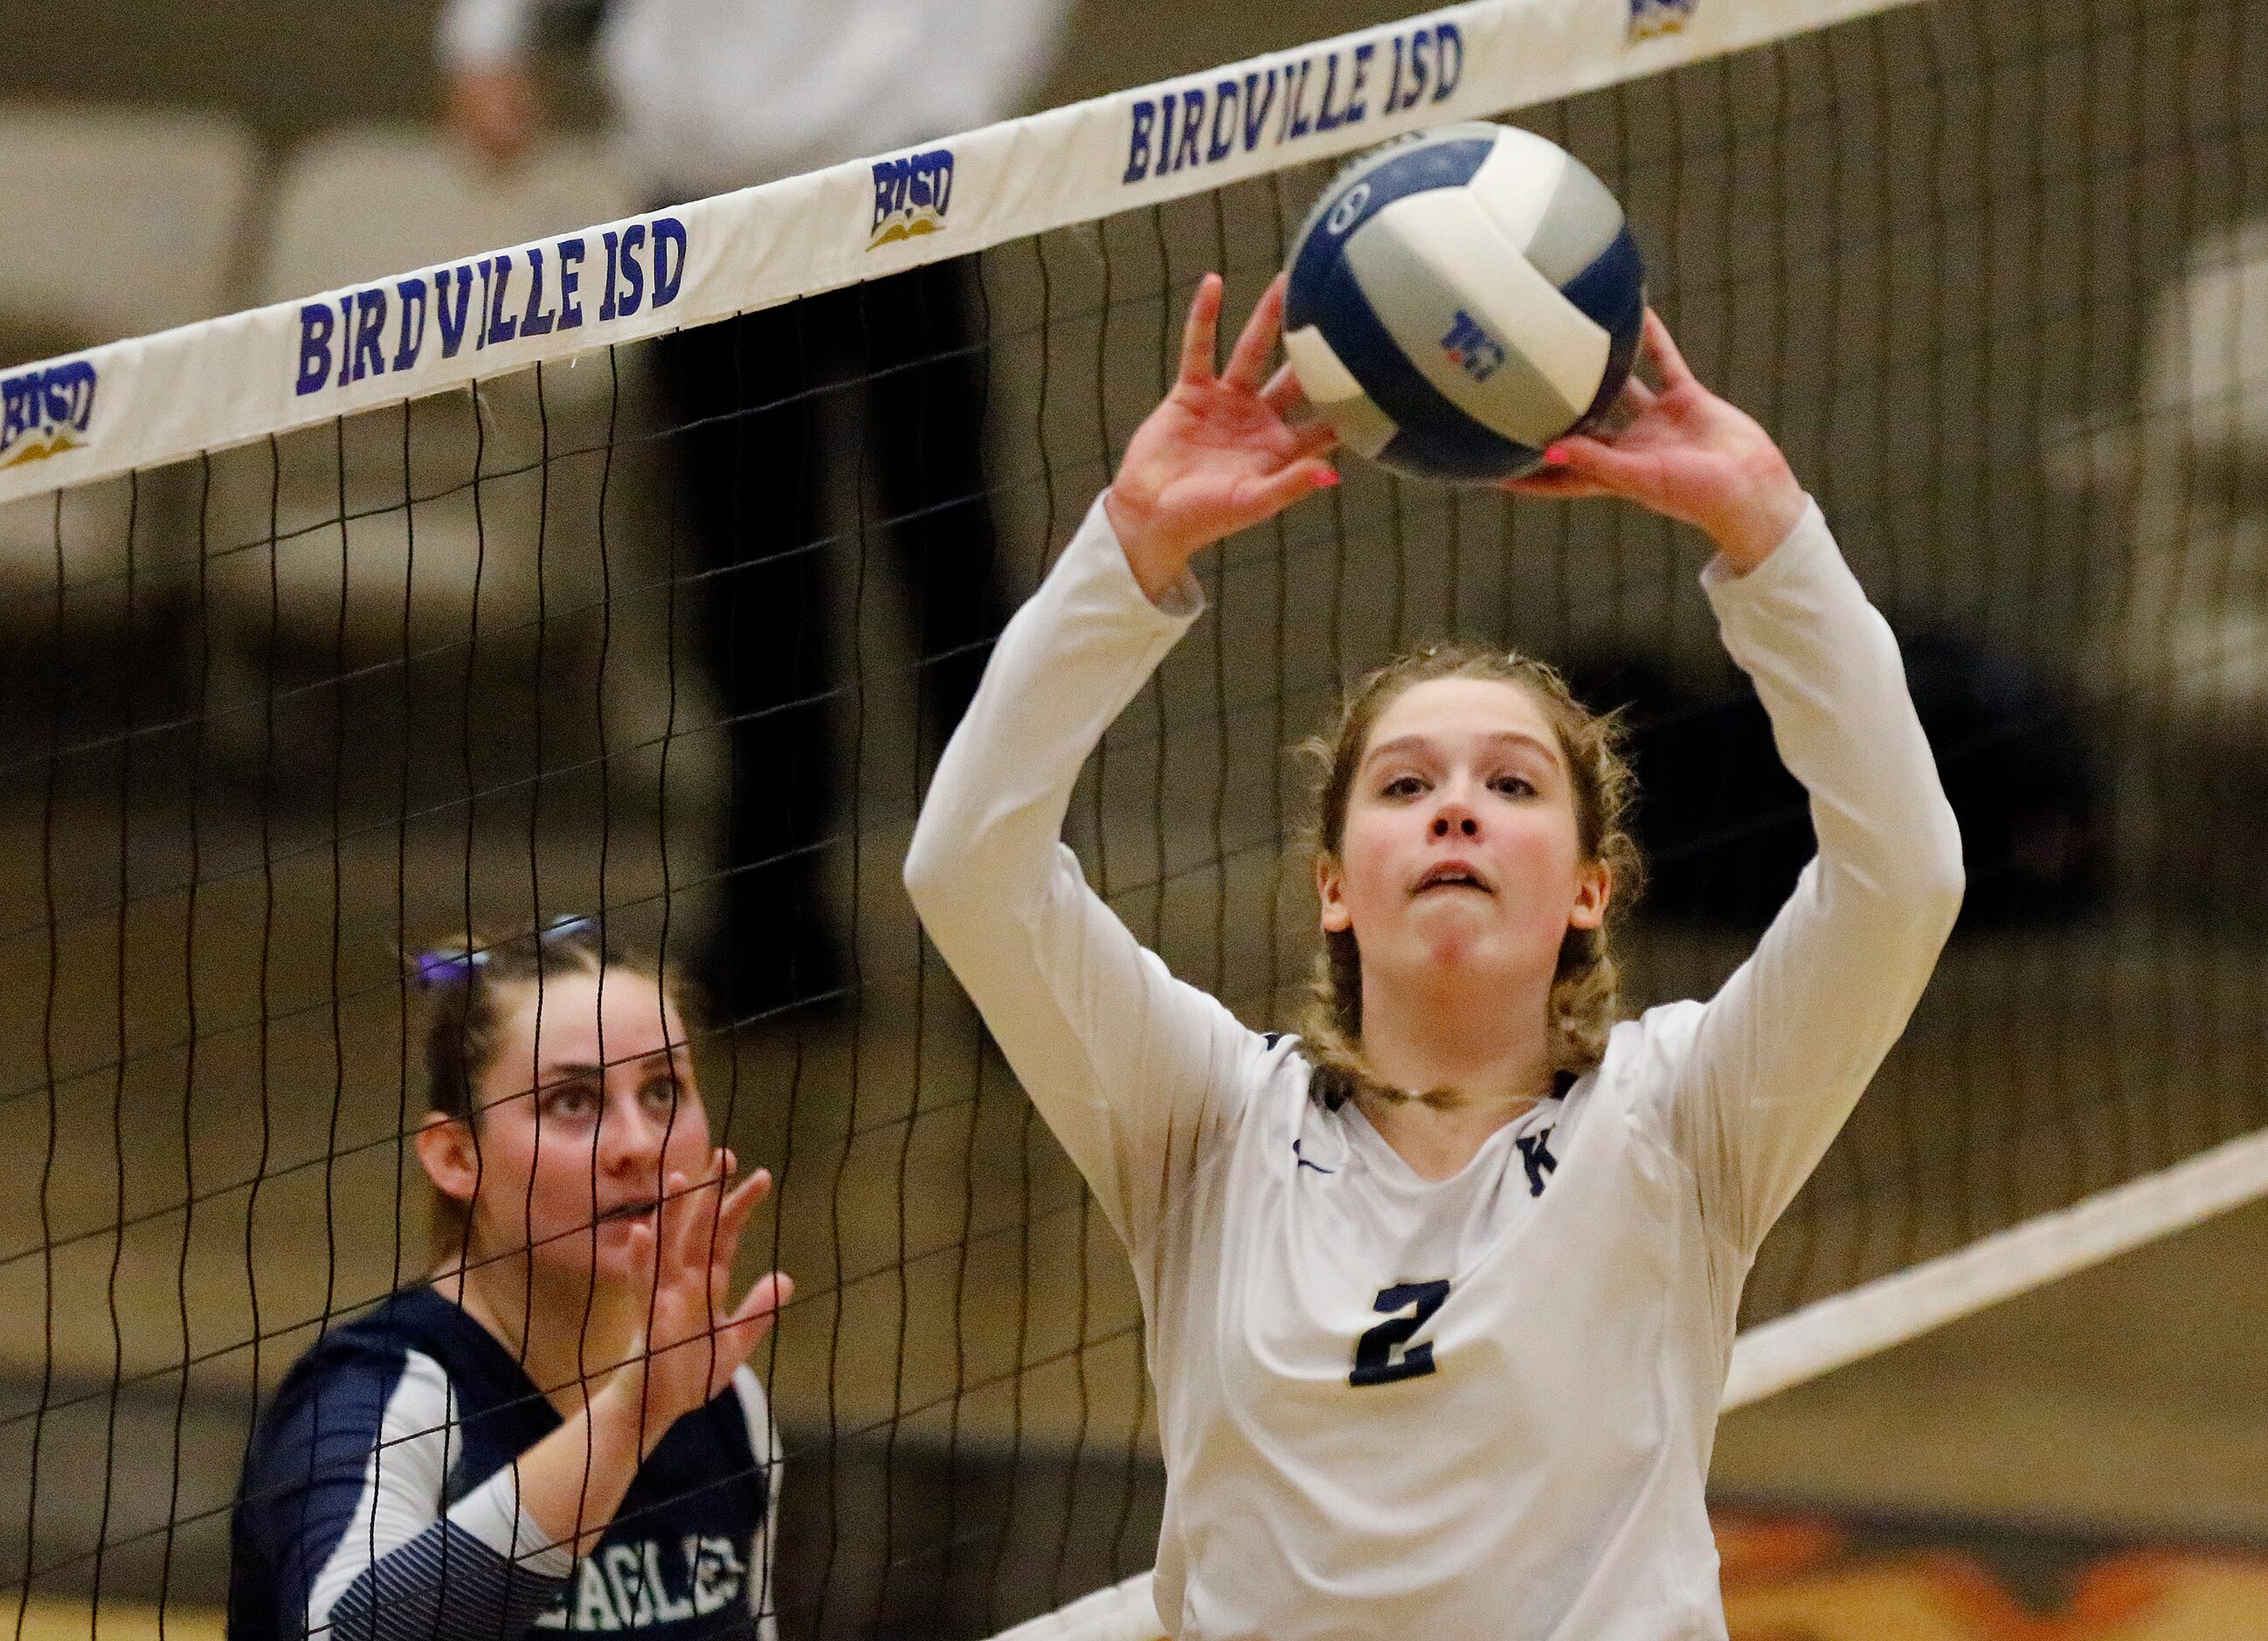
(1451,874)
(620,1212)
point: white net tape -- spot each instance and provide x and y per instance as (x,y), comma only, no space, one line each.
(226,382)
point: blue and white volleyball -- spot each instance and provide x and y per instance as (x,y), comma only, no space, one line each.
(1462,298)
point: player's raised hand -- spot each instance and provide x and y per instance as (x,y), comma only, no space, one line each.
(1220,454)
(695,1338)
(1686,453)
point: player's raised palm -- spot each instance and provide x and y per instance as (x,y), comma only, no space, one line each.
(696,1339)
(1218,455)
(1686,453)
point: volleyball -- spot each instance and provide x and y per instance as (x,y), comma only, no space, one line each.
(1461,297)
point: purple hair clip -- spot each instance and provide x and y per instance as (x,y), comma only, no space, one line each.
(454,965)
(448,965)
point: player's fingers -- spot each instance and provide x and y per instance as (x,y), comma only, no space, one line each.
(643,1259)
(1638,396)
(1553,480)
(752,1319)
(1557,487)
(1667,359)
(758,1187)
(1248,361)
(706,1230)
(1200,331)
(1609,469)
(724,1238)
(1315,438)
(733,1217)
(1284,395)
(767,1295)
(1573,469)
(1264,498)
(682,1225)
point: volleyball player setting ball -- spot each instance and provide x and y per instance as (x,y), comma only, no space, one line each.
(1440,1296)
(558,1428)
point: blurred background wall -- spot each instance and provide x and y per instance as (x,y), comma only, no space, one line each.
(291,68)
(2121,1400)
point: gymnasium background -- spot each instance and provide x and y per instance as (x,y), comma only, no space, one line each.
(2050,1467)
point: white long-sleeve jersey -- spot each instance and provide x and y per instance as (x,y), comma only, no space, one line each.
(1480,1407)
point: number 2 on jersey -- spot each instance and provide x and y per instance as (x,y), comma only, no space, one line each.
(1374,1361)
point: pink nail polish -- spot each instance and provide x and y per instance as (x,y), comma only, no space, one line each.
(1326,479)
(1556,456)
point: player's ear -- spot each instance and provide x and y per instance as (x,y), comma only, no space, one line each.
(1331,893)
(450,1154)
(1594,887)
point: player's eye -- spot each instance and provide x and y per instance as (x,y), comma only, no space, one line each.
(1514,786)
(659,1092)
(1401,786)
(571,1101)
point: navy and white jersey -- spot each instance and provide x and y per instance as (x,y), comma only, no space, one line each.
(379,1501)
(1475,1406)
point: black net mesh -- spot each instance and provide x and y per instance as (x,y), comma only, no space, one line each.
(670,636)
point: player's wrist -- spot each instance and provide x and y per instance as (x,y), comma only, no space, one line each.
(622,1414)
(1153,552)
(1760,514)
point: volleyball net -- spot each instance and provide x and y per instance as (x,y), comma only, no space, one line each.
(638,570)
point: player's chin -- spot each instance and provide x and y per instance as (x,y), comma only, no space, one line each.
(1458,928)
(608,1250)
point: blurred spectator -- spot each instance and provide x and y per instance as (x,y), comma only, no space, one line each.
(2018,763)
(712,95)
(2175,484)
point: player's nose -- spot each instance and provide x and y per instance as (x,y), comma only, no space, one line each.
(1456,817)
(630,1136)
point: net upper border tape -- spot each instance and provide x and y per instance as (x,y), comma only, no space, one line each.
(226,382)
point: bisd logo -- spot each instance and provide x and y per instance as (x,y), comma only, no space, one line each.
(45,412)
(912,196)
(1649,18)
(1472,347)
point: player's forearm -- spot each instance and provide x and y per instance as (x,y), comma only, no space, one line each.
(1791,1040)
(984,850)
(570,1484)
(1118,1056)
(1829,673)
